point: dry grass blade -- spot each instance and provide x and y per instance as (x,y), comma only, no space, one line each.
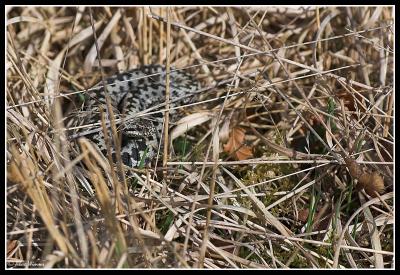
(282,157)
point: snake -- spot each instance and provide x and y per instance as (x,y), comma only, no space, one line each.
(132,92)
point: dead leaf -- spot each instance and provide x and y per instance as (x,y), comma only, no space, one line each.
(11,245)
(188,122)
(353,102)
(235,145)
(303,215)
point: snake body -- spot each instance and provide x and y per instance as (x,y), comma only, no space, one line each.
(132,92)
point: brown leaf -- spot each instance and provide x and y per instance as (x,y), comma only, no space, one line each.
(351,100)
(371,183)
(11,245)
(303,214)
(235,145)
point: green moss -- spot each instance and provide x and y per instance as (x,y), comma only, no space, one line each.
(299,262)
(244,252)
(325,251)
(199,152)
(283,256)
(265,172)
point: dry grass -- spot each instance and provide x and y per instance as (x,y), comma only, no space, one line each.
(306,87)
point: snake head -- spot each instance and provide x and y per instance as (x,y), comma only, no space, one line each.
(138,128)
(134,150)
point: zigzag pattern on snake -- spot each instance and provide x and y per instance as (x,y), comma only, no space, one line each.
(132,92)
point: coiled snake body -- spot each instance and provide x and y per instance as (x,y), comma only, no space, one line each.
(132,92)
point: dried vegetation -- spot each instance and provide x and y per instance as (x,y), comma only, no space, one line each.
(284,160)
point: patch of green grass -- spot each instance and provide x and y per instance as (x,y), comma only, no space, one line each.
(181,146)
(314,199)
(141,163)
(166,221)
(331,110)
(134,181)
